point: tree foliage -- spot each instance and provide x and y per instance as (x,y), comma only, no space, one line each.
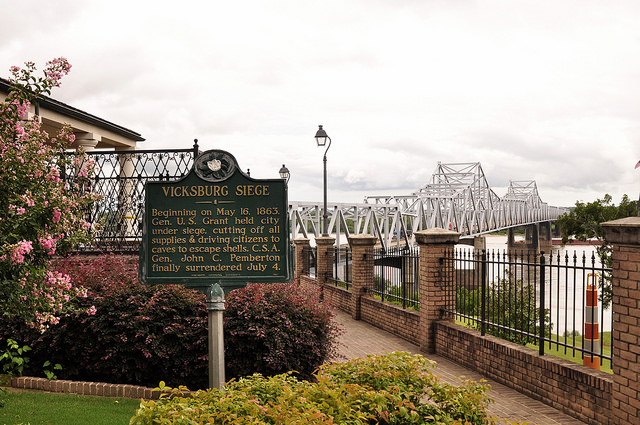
(583,223)
(510,309)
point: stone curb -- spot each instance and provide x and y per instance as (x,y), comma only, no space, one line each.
(98,389)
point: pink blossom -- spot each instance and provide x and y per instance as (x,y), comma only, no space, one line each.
(28,201)
(49,244)
(20,250)
(56,215)
(57,280)
(92,310)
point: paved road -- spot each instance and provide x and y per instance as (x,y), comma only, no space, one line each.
(360,339)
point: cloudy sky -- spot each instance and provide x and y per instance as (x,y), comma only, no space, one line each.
(541,90)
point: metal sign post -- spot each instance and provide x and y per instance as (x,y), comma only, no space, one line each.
(217,224)
(215,309)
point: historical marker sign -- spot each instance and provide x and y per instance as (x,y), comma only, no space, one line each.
(215,225)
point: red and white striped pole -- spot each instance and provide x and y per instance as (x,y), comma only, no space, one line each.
(591,339)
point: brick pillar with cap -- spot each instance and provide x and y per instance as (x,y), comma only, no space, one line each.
(362,271)
(624,236)
(325,258)
(301,245)
(433,244)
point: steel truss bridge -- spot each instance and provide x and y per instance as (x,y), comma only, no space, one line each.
(458,197)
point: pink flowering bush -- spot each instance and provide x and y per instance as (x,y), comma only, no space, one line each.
(41,212)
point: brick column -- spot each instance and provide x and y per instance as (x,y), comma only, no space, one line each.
(624,235)
(433,243)
(362,271)
(325,258)
(300,259)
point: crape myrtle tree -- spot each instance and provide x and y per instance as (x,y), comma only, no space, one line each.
(40,210)
(583,223)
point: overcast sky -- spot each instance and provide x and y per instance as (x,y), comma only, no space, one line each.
(533,90)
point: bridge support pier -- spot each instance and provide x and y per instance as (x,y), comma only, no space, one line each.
(537,238)
(479,243)
(545,237)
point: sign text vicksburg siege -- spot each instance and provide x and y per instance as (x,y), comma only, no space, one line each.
(231,231)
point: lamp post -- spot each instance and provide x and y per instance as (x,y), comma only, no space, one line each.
(321,140)
(284,174)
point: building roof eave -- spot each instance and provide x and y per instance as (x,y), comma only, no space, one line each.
(70,111)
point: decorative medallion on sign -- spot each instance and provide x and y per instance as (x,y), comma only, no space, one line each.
(215,165)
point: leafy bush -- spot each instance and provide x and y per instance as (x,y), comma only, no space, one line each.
(276,328)
(141,334)
(100,273)
(138,334)
(397,388)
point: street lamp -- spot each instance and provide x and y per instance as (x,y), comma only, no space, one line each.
(321,140)
(285,174)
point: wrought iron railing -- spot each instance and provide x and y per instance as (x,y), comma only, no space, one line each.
(540,300)
(396,276)
(309,261)
(120,178)
(342,270)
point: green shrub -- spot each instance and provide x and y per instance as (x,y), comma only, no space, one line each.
(141,334)
(394,389)
(138,335)
(276,328)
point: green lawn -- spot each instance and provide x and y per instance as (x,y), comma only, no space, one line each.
(561,352)
(39,408)
(576,356)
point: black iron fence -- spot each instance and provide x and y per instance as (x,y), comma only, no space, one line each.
(342,266)
(396,273)
(310,261)
(120,178)
(546,301)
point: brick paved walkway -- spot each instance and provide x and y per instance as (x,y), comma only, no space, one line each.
(361,339)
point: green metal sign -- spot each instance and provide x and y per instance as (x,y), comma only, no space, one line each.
(215,225)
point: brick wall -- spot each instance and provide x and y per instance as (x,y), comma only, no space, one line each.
(396,320)
(579,391)
(589,395)
(337,297)
(624,235)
